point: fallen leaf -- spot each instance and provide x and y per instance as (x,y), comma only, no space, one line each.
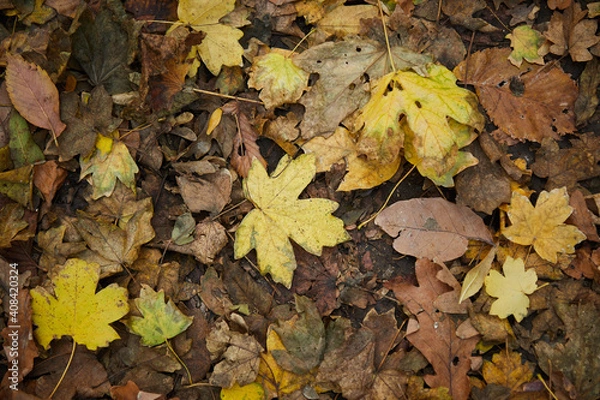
(252,391)
(461,13)
(48,178)
(279,215)
(17,184)
(220,46)
(506,369)
(543,109)
(341,146)
(525,42)
(570,32)
(12,224)
(239,354)
(511,289)
(433,228)
(76,309)
(436,335)
(277,77)
(209,192)
(110,161)
(343,21)
(160,321)
(183,231)
(23,150)
(587,100)
(474,279)
(33,94)
(543,225)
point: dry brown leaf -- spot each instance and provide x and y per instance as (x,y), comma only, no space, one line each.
(208,240)
(582,217)
(209,193)
(544,108)
(436,336)
(570,32)
(48,178)
(432,228)
(33,94)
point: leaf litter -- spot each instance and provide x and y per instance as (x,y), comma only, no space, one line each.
(148,148)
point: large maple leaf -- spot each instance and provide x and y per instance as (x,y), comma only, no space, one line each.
(280,215)
(76,309)
(543,225)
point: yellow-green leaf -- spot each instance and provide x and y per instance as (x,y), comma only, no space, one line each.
(525,42)
(220,46)
(511,289)
(76,309)
(474,279)
(279,216)
(278,78)
(160,321)
(543,225)
(110,161)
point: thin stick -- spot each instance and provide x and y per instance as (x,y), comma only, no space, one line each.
(226,96)
(387,39)
(65,371)
(187,371)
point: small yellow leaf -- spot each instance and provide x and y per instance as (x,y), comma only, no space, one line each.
(278,78)
(506,370)
(511,289)
(214,120)
(76,309)
(543,225)
(474,279)
(110,161)
(252,391)
(525,42)
(280,215)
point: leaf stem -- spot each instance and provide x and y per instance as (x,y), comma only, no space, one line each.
(226,96)
(387,39)
(187,371)
(385,203)
(300,42)
(62,377)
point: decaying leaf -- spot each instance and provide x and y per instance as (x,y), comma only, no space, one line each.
(279,215)
(160,321)
(511,289)
(12,224)
(432,228)
(544,108)
(525,42)
(543,225)
(506,369)
(75,309)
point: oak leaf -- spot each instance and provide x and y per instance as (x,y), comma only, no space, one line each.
(220,46)
(278,78)
(511,289)
(280,215)
(541,107)
(525,42)
(543,225)
(432,228)
(110,161)
(160,321)
(76,309)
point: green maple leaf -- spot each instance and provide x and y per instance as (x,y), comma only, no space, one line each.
(525,42)
(280,215)
(110,161)
(160,321)
(76,309)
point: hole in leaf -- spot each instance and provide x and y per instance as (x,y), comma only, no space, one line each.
(501,84)
(418,104)
(455,361)
(358,49)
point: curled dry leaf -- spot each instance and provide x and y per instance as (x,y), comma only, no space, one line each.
(432,228)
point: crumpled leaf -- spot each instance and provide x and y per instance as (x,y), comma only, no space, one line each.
(433,228)
(511,289)
(525,42)
(427,103)
(279,215)
(110,161)
(160,321)
(506,369)
(569,31)
(240,354)
(344,70)
(277,77)
(76,309)
(341,146)
(12,224)
(544,107)
(33,94)
(220,46)
(436,335)
(543,225)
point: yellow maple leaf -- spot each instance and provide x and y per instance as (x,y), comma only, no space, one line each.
(429,114)
(362,173)
(506,370)
(110,161)
(543,225)
(76,309)
(279,78)
(525,42)
(511,289)
(220,46)
(280,215)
